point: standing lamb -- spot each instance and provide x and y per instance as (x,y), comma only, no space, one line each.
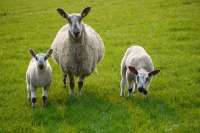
(38,75)
(77,49)
(136,66)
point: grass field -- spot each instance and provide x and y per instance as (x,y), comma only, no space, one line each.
(168,30)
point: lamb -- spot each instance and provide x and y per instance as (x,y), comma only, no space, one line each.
(39,74)
(77,49)
(136,66)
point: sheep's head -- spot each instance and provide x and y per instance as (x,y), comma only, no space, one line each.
(143,79)
(75,21)
(41,58)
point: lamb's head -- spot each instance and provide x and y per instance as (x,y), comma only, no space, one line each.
(75,21)
(41,58)
(143,79)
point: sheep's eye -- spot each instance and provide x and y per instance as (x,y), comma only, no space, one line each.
(147,79)
(36,58)
(137,78)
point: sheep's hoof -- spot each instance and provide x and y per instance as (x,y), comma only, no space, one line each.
(43,104)
(71,93)
(121,94)
(79,94)
(64,86)
(129,95)
(33,106)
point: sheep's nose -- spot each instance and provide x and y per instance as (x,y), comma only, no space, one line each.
(41,66)
(77,34)
(145,92)
(141,89)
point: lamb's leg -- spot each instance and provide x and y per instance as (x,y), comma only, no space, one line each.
(135,88)
(123,81)
(71,84)
(33,95)
(45,94)
(64,80)
(130,88)
(80,84)
(29,91)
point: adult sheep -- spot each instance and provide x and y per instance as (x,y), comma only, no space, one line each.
(77,49)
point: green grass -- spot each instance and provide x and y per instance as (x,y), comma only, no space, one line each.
(168,30)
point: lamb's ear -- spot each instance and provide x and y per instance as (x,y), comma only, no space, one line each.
(133,70)
(85,12)
(49,53)
(32,53)
(62,13)
(154,72)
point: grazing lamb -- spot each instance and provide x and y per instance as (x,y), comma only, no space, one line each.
(136,66)
(38,75)
(77,49)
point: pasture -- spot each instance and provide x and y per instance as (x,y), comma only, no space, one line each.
(168,30)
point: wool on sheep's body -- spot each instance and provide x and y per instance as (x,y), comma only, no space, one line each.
(78,56)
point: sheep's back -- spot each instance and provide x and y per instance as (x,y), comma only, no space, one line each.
(139,59)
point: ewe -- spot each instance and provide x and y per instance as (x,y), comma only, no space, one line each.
(38,75)
(77,49)
(136,66)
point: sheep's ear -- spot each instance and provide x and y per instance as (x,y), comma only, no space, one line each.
(62,13)
(133,70)
(49,53)
(85,12)
(154,72)
(32,53)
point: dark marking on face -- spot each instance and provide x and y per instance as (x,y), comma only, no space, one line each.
(147,79)
(145,92)
(138,78)
(41,66)
(141,90)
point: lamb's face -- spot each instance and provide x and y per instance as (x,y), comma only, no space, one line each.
(142,81)
(41,58)
(41,61)
(75,25)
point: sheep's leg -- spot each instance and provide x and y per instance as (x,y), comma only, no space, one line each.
(80,84)
(130,88)
(45,94)
(123,81)
(64,80)
(135,88)
(33,95)
(29,91)
(71,84)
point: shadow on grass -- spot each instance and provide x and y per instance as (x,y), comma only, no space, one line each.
(102,112)
(88,113)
